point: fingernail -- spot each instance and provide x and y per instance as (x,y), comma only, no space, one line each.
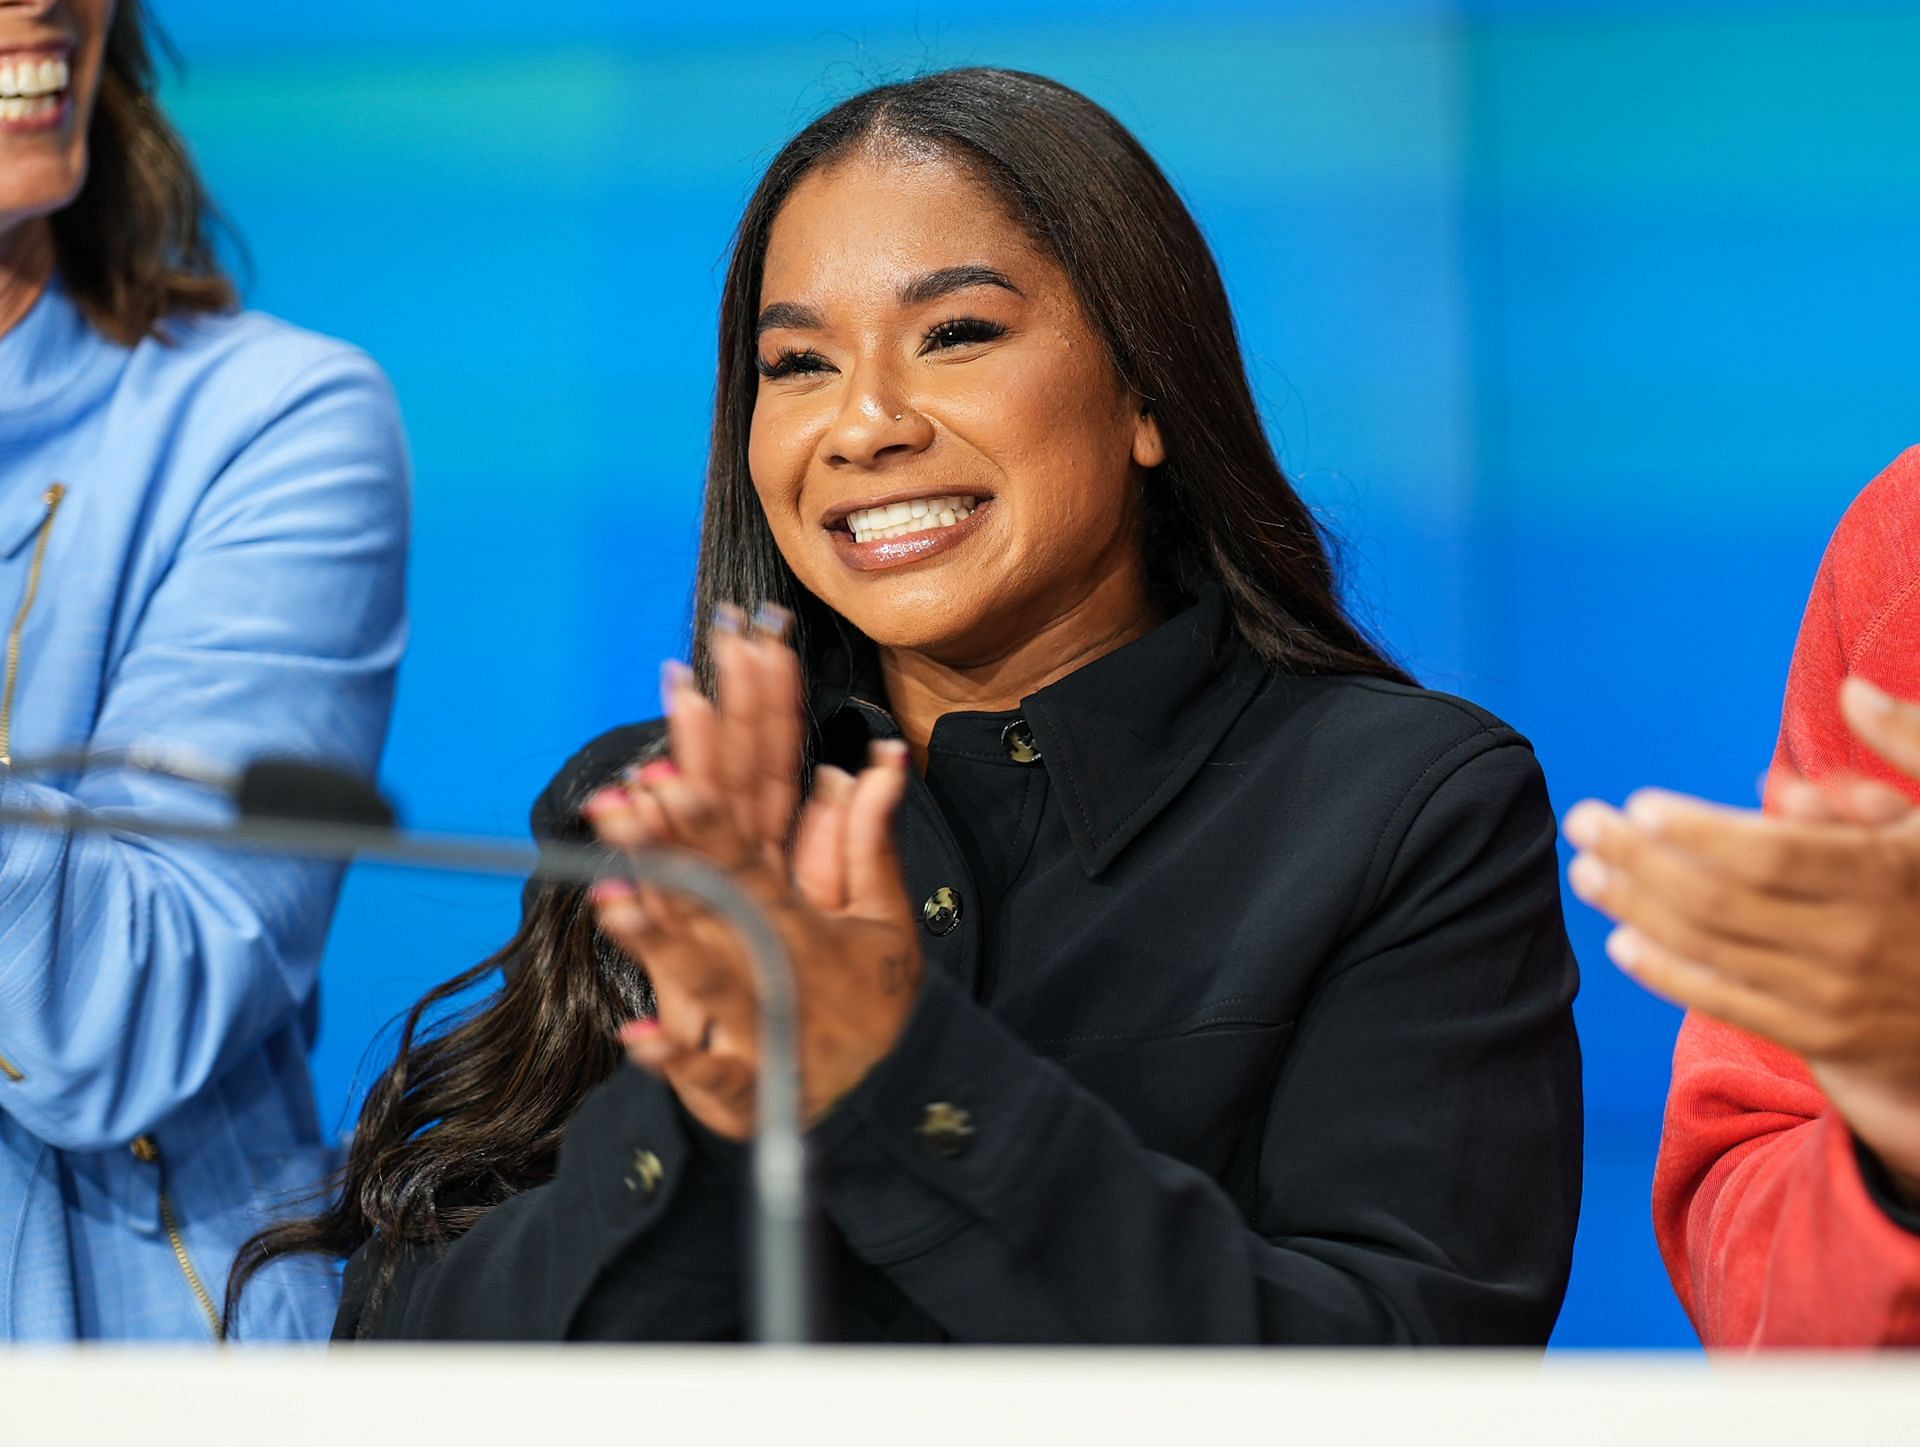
(832,783)
(1588,876)
(1866,697)
(605,891)
(1624,948)
(892,752)
(1649,811)
(1582,825)
(728,618)
(674,676)
(603,799)
(772,620)
(659,769)
(635,1030)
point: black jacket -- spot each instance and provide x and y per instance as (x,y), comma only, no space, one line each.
(1248,1019)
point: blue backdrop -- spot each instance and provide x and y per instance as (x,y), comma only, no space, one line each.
(1581,322)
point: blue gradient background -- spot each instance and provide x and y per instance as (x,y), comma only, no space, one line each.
(1581,322)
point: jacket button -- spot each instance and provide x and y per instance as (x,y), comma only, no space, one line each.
(644,1174)
(941,912)
(1017,740)
(945,1130)
(144,1149)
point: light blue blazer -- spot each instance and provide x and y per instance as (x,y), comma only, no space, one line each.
(201,543)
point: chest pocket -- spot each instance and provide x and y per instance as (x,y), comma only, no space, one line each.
(1200,1097)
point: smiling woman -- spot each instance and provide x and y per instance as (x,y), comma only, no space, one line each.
(1170,967)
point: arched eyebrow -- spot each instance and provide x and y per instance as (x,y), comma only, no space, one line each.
(792,316)
(948,280)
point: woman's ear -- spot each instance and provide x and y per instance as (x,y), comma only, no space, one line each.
(1149,450)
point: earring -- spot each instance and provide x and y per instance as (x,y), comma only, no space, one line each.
(898,415)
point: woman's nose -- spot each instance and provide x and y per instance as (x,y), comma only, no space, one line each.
(875,423)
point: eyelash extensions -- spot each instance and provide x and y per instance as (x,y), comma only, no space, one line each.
(956,332)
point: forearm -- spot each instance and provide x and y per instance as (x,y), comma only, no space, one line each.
(1054,1224)
(133,973)
(1791,1250)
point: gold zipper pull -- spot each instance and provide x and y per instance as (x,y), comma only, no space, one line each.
(146,1150)
(52,498)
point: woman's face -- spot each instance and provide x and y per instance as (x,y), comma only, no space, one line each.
(943,448)
(50,56)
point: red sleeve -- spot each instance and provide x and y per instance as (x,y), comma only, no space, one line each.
(1763,1217)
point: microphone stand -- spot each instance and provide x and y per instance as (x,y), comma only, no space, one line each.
(780,1278)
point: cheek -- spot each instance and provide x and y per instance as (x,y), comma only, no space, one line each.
(1058,435)
(777,463)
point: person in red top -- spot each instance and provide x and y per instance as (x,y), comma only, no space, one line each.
(1787,1195)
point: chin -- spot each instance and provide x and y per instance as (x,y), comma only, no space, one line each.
(36,185)
(939,625)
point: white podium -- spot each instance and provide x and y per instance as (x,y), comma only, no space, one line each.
(915,1397)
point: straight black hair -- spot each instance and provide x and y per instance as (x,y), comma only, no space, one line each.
(473,1110)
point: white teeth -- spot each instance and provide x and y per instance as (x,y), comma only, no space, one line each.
(897,519)
(17,108)
(30,78)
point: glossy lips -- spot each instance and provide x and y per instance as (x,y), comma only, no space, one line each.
(891,543)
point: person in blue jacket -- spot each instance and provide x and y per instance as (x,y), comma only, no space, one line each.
(203,526)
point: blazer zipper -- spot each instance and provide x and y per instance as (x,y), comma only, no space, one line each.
(147,1151)
(54,495)
(52,500)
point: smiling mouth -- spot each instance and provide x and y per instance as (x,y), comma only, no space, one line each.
(32,87)
(916,515)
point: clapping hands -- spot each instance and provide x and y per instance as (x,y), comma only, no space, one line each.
(826,874)
(1801,927)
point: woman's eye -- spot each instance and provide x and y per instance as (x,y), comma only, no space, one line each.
(791,364)
(961,332)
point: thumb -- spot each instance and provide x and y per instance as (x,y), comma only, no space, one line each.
(1887,725)
(875,889)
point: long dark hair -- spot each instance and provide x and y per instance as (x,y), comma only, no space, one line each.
(474,1111)
(136,245)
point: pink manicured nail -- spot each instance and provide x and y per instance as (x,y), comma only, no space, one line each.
(659,769)
(603,799)
(635,1030)
(606,891)
(892,752)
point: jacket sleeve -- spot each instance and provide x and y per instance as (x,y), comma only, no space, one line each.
(133,972)
(1774,1230)
(1420,1162)
(636,1238)
(1764,1213)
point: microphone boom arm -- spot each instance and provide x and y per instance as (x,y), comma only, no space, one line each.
(781,1286)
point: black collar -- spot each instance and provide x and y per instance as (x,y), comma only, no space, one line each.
(1119,738)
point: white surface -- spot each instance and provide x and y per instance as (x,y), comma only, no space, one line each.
(425,1397)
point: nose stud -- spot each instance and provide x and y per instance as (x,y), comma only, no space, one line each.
(898,415)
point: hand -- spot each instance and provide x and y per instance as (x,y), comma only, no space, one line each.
(835,894)
(1803,929)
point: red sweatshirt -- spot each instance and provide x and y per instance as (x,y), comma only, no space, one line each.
(1773,1232)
